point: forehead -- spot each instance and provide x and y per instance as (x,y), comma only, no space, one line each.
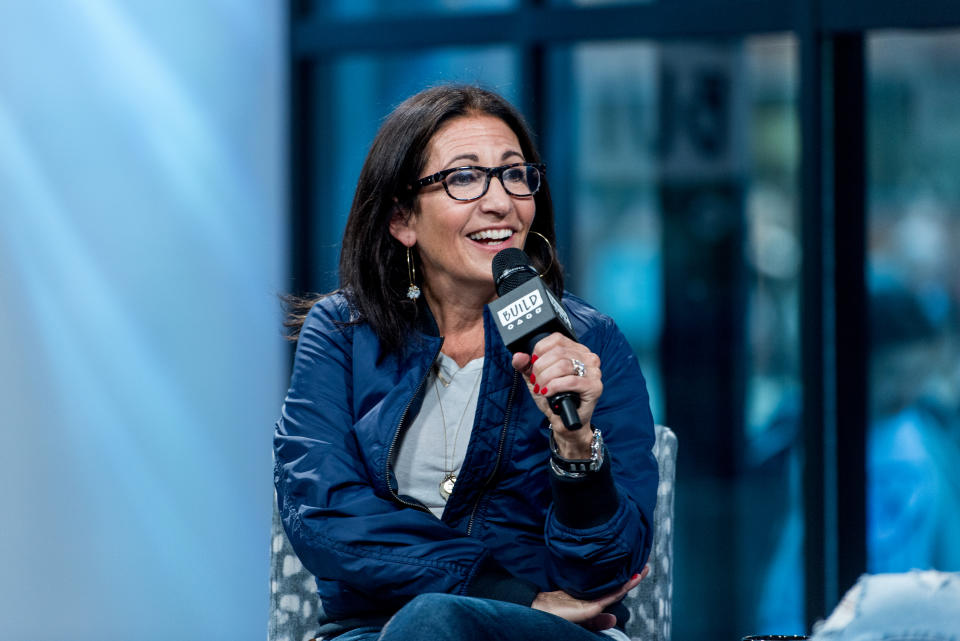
(473,134)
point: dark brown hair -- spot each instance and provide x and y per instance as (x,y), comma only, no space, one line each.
(373,264)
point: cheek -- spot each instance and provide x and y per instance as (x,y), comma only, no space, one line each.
(528,213)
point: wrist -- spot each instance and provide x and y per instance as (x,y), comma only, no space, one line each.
(572,445)
(577,461)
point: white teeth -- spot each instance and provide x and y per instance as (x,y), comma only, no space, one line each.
(491,234)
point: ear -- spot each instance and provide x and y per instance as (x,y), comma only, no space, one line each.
(402,227)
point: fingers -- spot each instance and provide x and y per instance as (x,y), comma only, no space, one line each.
(590,388)
(603,621)
(553,366)
(616,595)
(587,613)
(629,585)
(561,344)
(633,582)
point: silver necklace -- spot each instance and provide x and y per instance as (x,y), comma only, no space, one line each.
(449,471)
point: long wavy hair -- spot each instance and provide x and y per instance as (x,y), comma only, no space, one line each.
(373,264)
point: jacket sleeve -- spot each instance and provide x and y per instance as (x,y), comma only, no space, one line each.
(339,526)
(600,529)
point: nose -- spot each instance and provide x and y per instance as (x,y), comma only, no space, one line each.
(496,201)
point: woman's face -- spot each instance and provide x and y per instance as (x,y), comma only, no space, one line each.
(457,240)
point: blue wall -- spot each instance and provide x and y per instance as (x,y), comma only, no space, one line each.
(142,243)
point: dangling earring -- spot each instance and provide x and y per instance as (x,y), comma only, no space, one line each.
(549,249)
(413,292)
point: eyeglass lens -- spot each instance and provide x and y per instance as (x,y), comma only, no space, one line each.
(467,184)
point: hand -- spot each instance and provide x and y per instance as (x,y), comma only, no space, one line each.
(550,370)
(589,614)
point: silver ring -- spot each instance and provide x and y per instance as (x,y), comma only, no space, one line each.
(578,367)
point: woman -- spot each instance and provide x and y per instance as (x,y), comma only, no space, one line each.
(403,507)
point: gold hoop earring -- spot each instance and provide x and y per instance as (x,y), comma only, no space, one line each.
(549,249)
(413,292)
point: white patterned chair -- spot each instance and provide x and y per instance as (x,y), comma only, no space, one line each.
(293,598)
(650,602)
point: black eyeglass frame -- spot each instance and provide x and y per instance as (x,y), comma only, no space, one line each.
(490,172)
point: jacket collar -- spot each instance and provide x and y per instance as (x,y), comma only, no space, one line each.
(425,323)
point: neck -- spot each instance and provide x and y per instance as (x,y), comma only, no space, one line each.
(459,318)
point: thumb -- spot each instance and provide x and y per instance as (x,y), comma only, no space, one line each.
(521,362)
(603,621)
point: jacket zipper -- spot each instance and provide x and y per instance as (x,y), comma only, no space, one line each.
(396,436)
(496,465)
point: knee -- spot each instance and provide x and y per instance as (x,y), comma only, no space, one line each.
(439,605)
(447,616)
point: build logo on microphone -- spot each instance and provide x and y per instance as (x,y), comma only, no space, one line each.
(521,309)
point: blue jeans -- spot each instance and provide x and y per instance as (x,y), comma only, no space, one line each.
(447,617)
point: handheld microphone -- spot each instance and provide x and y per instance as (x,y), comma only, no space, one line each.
(526,312)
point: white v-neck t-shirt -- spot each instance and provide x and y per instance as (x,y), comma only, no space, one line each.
(436,442)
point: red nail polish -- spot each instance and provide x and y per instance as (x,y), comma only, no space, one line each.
(634,577)
(533,359)
(533,379)
(544,391)
(536,389)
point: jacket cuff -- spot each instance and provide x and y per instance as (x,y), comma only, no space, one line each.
(585,502)
(493,582)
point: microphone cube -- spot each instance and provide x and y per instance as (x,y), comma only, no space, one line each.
(529,311)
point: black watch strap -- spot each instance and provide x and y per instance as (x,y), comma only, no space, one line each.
(577,468)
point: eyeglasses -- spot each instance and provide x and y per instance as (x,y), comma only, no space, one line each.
(469,183)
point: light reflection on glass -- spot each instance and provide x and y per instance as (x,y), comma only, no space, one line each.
(914,285)
(704,133)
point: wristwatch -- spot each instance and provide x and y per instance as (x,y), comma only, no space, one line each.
(577,468)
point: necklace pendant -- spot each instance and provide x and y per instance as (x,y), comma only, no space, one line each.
(446,485)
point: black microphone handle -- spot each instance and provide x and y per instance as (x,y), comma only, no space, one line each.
(563,404)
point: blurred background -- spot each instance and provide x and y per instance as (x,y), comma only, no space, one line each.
(762,194)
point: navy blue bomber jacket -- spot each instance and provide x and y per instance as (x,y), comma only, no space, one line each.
(510,529)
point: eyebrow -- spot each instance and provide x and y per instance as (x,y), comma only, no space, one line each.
(475,158)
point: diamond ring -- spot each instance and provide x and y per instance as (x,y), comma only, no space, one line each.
(578,367)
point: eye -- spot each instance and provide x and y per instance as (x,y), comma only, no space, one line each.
(463,178)
(515,175)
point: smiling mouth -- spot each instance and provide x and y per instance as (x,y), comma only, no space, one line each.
(491,237)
